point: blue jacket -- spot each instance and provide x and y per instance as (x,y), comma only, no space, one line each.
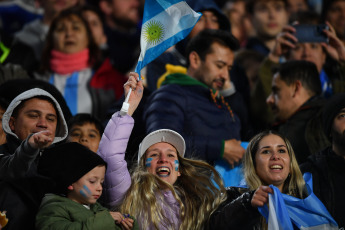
(185,105)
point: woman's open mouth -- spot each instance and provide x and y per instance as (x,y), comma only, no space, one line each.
(163,171)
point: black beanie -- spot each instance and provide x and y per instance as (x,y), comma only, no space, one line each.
(331,109)
(67,163)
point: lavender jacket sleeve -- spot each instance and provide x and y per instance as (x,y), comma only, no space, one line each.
(112,149)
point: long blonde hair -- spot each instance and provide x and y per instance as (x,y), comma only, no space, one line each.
(199,191)
(294,185)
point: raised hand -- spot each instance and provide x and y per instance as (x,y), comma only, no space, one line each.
(335,49)
(137,91)
(41,139)
(284,41)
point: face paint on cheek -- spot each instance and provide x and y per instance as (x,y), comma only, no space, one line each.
(148,162)
(83,193)
(83,190)
(177,164)
(87,189)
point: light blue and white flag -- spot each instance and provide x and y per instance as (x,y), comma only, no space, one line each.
(165,23)
(232,176)
(306,214)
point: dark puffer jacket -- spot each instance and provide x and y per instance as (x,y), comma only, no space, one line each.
(236,212)
(185,105)
(21,187)
(304,129)
(328,170)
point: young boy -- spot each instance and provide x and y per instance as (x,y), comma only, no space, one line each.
(86,130)
(78,174)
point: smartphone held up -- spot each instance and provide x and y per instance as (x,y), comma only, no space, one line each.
(311,33)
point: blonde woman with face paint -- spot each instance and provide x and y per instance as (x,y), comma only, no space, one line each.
(166,190)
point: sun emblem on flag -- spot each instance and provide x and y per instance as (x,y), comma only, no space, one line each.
(153,32)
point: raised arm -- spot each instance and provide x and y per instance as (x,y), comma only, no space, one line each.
(19,164)
(114,143)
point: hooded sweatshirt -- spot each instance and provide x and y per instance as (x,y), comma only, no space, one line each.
(17,157)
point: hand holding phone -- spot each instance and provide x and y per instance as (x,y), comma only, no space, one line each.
(311,33)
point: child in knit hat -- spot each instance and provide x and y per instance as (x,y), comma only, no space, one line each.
(78,174)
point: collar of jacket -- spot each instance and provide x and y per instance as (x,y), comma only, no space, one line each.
(313,102)
(182,79)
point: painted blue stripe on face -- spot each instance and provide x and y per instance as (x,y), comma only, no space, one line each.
(83,193)
(177,164)
(87,189)
(148,162)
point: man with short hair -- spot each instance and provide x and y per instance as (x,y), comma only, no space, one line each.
(295,103)
(328,165)
(191,105)
(32,122)
(122,18)
(268,18)
(328,58)
(212,18)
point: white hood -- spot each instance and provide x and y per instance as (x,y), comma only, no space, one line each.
(61,130)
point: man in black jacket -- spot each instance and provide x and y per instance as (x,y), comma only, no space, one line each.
(32,122)
(328,166)
(295,101)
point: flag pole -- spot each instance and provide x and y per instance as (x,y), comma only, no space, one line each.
(128,95)
(130,91)
(125,104)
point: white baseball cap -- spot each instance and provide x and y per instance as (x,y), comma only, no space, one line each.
(162,135)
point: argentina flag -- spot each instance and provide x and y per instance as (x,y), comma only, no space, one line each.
(165,23)
(307,214)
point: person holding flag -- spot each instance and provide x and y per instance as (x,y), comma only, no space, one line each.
(272,177)
(164,24)
(166,190)
(212,18)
